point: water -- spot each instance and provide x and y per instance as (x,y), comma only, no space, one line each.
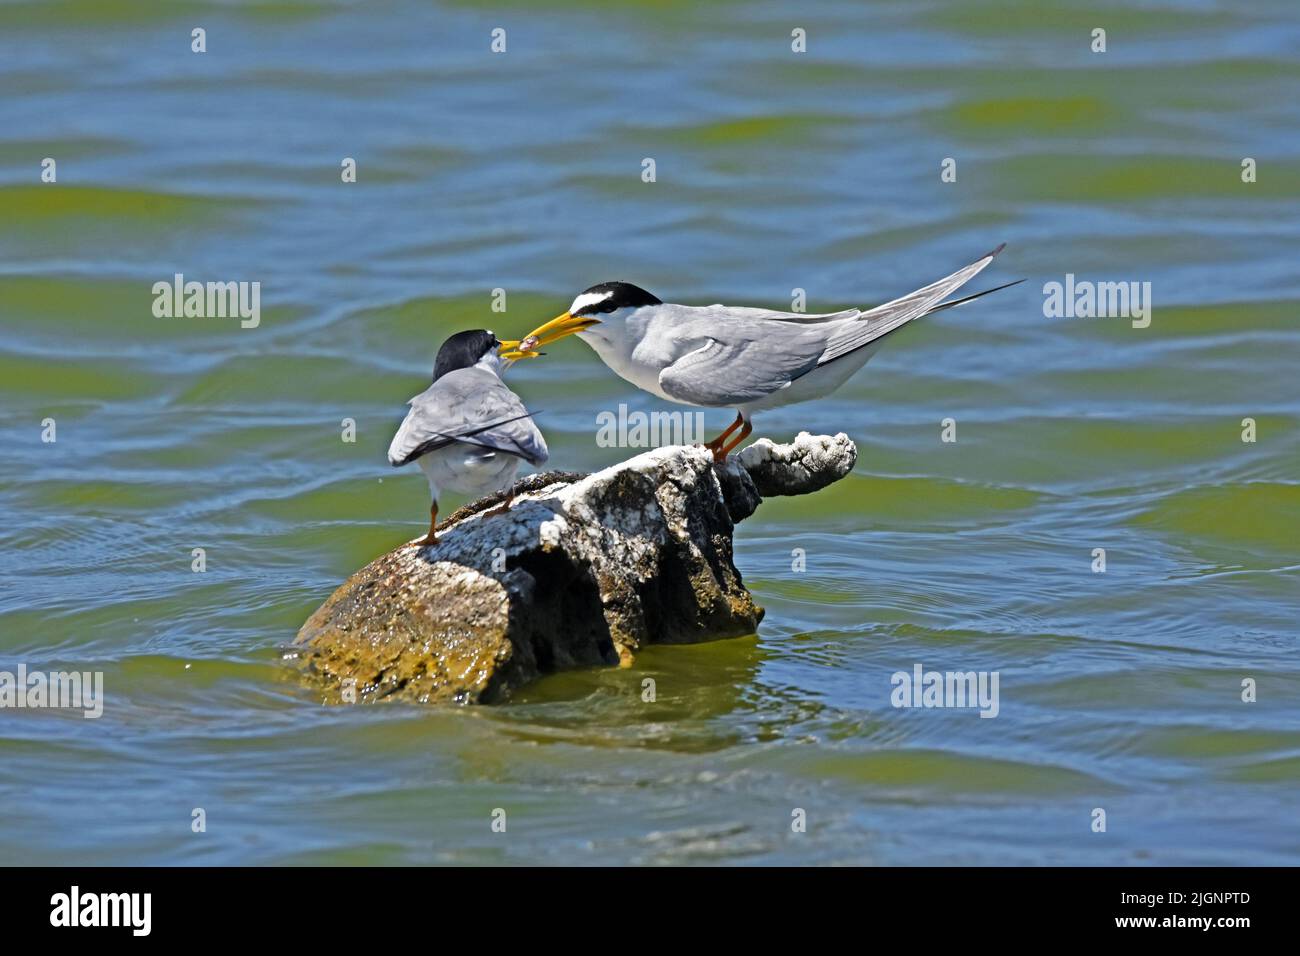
(775,170)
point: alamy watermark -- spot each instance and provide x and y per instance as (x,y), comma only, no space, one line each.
(130,910)
(648,430)
(922,688)
(208,300)
(58,689)
(1085,299)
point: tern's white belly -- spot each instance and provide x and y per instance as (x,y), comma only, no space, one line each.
(818,383)
(468,469)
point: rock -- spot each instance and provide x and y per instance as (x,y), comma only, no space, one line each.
(808,464)
(583,570)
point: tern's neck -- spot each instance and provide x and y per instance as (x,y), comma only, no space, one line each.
(494,363)
(614,336)
(627,348)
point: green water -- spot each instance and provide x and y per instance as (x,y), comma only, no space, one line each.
(775,171)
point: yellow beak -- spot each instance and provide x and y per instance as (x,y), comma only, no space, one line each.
(510,350)
(554,330)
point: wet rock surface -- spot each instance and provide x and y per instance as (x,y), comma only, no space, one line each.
(583,570)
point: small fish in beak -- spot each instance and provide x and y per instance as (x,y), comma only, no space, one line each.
(556,329)
(513,349)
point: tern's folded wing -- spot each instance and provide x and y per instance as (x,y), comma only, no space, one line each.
(473,406)
(730,313)
(743,361)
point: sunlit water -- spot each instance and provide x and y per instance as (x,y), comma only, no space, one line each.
(775,170)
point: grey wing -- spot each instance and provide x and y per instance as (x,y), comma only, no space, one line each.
(471,406)
(742,360)
(884,319)
(727,313)
(746,354)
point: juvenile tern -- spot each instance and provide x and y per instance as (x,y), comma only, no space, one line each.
(467,431)
(721,356)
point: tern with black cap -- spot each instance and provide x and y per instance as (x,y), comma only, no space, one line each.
(721,356)
(467,431)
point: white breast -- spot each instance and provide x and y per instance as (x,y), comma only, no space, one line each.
(637,345)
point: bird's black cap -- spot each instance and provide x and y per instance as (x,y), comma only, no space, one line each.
(617,295)
(463,350)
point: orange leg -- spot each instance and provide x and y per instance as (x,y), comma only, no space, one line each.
(432,537)
(744,433)
(715,446)
(504,506)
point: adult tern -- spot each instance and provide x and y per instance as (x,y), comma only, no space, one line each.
(467,431)
(721,356)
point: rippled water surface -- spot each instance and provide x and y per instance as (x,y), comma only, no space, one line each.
(775,171)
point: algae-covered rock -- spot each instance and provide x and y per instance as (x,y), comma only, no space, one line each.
(582,570)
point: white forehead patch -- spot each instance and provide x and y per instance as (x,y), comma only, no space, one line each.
(588,298)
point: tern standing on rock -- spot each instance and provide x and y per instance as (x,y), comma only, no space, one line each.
(467,431)
(720,356)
